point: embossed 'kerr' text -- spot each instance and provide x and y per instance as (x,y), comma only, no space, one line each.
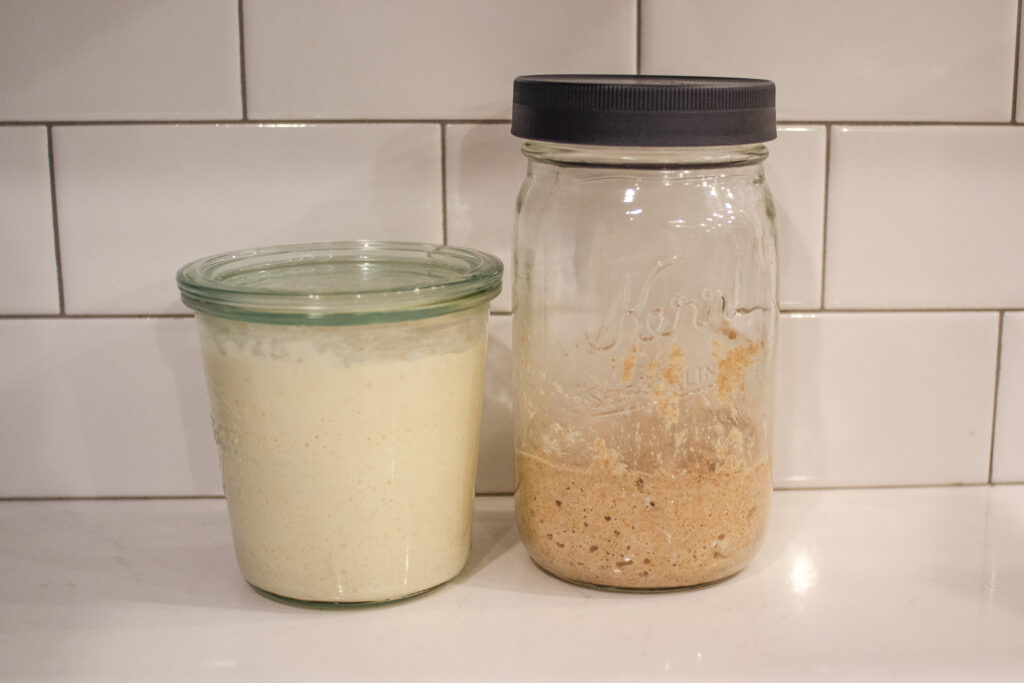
(641,318)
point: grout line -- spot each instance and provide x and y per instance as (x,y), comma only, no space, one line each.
(56,223)
(824,213)
(59,499)
(1016,65)
(241,62)
(96,316)
(868,123)
(885,487)
(254,121)
(783,311)
(880,123)
(995,399)
(313,121)
(638,36)
(797,311)
(444,183)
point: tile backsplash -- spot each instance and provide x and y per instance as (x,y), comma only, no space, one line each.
(136,135)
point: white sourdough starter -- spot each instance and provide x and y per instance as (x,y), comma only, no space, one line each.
(348,453)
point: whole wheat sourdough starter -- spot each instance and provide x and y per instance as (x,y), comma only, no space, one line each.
(348,452)
(668,487)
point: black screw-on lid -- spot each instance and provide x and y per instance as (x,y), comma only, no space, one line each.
(643,111)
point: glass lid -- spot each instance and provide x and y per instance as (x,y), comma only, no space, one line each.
(340,283)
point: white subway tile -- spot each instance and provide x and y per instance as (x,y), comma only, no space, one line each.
(916,60)
(1008,454)
(484,172)
(925,217)
(796,174)
(28,265)
(867,399)
(137,202)
(119,59)
(496,468)
(411,59)
(104,407)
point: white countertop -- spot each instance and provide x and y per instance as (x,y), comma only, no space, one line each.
(893,584)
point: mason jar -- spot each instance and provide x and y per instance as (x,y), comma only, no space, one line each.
(644,330)
(346,384)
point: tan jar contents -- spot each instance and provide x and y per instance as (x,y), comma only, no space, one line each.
(673,492)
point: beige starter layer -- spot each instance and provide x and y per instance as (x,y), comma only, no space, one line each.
(348,464)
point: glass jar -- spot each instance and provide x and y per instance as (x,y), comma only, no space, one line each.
(645,315)
(346,384)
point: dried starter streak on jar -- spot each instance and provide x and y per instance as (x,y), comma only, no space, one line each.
(672,493)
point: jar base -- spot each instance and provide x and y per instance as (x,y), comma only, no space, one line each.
(632,589)
(340,605)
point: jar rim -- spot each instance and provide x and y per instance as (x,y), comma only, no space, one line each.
(340,283)
(640,157)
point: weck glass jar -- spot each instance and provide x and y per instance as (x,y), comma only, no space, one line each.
(644,330)
(346,384)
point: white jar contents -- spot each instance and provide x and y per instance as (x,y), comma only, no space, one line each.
(349,453)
